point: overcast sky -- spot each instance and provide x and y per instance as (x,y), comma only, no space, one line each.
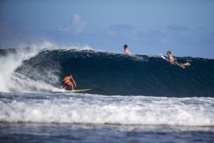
(148,27)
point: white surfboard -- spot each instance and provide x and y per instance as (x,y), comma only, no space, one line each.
(164,57)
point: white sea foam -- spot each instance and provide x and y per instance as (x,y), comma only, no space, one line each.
(97,109)
(10,62)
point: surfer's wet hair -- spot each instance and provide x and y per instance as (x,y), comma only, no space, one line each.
(125,46)
(168,52)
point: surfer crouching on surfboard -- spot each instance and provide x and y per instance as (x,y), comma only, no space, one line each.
(171,59)
(68,81)
(126,50)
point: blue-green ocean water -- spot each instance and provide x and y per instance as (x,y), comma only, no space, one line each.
(133,98)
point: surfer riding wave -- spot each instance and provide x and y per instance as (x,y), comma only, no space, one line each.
(68,81)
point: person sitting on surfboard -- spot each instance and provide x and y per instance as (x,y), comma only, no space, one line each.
(68,81)
(126,50)
(171,59)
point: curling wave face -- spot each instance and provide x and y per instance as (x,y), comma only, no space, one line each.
(30,70)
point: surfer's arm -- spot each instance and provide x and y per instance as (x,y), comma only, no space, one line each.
(73,81)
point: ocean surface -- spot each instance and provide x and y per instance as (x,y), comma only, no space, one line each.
(136,98)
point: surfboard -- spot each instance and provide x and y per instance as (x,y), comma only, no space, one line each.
(164,57)
(81,90)
(137,58)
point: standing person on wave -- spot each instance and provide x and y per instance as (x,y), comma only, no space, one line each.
(68,81)
(126,50)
